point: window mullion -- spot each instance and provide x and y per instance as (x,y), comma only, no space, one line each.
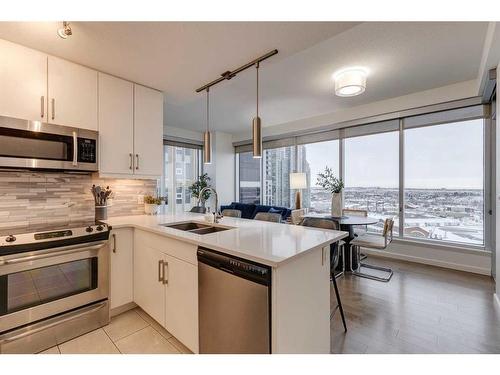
(401,179)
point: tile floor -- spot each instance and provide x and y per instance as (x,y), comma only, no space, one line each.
(132,332)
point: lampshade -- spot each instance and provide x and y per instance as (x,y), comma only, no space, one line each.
(298,181)
(350,82)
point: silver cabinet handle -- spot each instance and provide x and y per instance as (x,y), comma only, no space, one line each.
(114,243)
(161,277)
(42,106)
(75,149)
(53,108)
(137,163)
(131,161)
(165,273)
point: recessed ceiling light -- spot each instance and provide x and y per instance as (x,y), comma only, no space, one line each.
(350,82)
(65,31)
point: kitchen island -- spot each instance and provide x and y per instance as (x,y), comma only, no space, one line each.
(299,259)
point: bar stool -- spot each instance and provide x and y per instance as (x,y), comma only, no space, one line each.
(334,258)
(268,216)
(231,213)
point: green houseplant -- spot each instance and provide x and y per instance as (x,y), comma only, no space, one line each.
(152,204)
(328,181)
(196,188)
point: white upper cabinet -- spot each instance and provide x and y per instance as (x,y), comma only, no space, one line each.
(23,82)
(148,131)
(72,94)
(116,125)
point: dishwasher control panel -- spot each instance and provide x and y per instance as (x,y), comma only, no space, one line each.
(240,267)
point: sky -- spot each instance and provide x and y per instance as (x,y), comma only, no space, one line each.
(445,156)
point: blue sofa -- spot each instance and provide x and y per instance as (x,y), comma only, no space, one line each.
(248,211)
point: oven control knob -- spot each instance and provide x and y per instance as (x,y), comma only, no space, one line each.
(10,238)
(99,228)
(89,229)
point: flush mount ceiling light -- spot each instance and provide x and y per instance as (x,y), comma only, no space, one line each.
(207,137)
(65,31)
(350,82)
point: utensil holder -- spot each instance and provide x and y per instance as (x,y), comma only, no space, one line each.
(101,212)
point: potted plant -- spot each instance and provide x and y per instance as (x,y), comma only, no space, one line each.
(334,185)
(196,188)
(152,204)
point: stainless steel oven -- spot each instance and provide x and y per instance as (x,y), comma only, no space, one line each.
(38,145)
(49,296)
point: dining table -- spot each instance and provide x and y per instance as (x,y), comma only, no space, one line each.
(347,224)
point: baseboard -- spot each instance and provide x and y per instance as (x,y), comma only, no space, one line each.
(430,262)
(121,309)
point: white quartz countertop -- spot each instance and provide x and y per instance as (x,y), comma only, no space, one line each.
(264,242)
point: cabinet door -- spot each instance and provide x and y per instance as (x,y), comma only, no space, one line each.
(72,94)
(181,317)
(116,125)
(122,267)
(23,82)
(148,131)
(149,290)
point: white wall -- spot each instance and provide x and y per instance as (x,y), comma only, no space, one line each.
(182,133)
(222,171)
(456,91)
(497,200)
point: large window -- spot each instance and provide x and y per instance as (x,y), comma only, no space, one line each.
(439,196)
(182,168)
(249,178)
(278,163)
(372,176)
(313,159)
(444,174)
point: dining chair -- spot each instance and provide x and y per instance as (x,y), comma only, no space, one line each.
(334,258)
(268,216)
(231,212)
(357,232)
(373,241)
(297,215)
(198,209)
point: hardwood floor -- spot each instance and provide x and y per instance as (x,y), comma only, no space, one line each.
(423,309)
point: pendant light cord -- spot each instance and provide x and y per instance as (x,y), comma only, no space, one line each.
(257,67)
(208,102)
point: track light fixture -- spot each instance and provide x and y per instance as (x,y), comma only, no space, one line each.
(65,31)
(257,126)
(207,137)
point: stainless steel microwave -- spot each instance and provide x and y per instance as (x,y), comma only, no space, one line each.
(38,145)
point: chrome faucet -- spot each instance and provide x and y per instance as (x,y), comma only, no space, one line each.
(217,214)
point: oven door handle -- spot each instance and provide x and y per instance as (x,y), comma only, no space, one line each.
(55,323)
(54,253)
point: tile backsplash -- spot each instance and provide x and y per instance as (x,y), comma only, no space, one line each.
(28,198)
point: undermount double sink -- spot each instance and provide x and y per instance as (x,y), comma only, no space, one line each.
(195,227)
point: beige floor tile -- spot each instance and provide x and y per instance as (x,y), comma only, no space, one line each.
(146,341)
(95,342)
(53,350)
(124,325)
(162,331)
(179,345)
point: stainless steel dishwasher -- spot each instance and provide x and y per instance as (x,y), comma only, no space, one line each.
(234,304)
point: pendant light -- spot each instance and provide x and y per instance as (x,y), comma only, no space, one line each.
(257,126)
(207,137)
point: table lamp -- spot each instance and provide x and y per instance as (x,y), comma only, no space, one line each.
(298,181)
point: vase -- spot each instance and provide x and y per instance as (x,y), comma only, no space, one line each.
(337,204)
(151,209)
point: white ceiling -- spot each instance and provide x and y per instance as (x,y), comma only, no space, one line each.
(177,58)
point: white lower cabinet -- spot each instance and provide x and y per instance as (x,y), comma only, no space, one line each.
(149,290)
(181,315)
(122,267)
(166,287)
